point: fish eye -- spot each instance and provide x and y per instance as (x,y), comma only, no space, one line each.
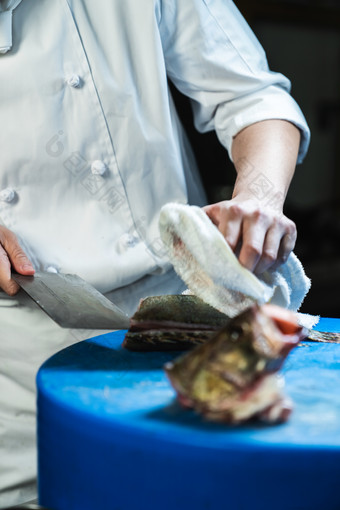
(236,333)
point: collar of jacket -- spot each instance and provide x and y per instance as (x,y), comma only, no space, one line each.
(6,9)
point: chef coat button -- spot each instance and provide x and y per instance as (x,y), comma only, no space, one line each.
(98,167)
(129,240)
(74,80)
(7,195)
(51,269)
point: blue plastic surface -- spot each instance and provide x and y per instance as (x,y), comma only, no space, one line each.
(111,436)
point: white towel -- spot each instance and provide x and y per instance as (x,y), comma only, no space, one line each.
(205,262)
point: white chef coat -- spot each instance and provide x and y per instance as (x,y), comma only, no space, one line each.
(90,143)
(91,148)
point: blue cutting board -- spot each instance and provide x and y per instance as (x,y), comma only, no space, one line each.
(111,436)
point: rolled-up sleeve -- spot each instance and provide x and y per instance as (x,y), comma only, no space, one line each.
(213,57)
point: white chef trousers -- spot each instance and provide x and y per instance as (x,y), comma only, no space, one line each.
(27,338)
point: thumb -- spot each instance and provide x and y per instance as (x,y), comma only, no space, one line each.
(18,258)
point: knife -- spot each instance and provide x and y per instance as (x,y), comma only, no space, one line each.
(72,302)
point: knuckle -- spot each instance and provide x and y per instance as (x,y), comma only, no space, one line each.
(235,210)
(269,257)
(13,239)
(291,229)
(276,220)
(261,216)
(11,288)
(288,244)
(8,239)
(288,225)
(17,253)
(3,258)
(258,214)
(252,250)
(282,259)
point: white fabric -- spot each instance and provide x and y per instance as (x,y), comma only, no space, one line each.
(6,10)
(119,114)
(205,261)
(27,338)
(5,31)
(119,54)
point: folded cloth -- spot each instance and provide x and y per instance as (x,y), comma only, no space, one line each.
(206,263)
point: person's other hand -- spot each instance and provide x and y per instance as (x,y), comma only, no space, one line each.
(261,237)
(12,256)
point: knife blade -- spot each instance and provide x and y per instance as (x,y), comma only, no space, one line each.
(72,302)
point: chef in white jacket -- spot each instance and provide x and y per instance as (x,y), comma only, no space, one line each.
(91,148)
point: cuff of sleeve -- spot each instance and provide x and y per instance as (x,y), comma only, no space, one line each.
(273,104)
(5,31)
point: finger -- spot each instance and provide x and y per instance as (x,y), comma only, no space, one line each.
(6,283)
(270,251)
(16,254)
(12,255)
(286,247)
(253,236)
(213,212)
(228,220)
(231,225)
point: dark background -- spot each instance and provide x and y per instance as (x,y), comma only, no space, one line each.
(302,40)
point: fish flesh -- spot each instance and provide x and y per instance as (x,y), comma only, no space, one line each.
(323,336)
(172,322)
(180,322)
(233,377)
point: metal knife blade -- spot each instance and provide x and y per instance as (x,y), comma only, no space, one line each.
(72,302)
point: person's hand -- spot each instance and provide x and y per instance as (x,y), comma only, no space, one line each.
(12,256)
(261,237)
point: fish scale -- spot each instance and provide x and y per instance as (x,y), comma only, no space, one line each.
(323,336)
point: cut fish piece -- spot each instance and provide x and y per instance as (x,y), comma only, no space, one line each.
(233,376)
(172,322)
